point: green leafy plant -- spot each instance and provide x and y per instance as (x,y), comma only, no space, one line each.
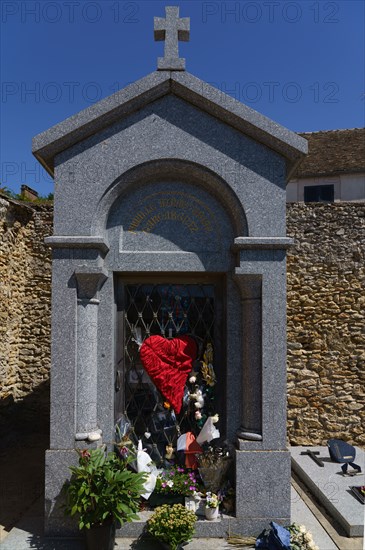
(176,481)
(7,192)
(172,524)
(102,489)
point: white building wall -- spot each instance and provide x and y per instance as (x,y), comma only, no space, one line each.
(353,187)
(347,187)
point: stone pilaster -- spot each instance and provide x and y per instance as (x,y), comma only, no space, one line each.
(251,304)
(89,281)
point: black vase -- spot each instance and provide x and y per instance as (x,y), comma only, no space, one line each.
(157,499)
(101,537)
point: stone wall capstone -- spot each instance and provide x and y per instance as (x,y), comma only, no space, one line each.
(326,304)
(326,314)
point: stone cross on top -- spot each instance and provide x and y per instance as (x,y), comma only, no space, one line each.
(171,30)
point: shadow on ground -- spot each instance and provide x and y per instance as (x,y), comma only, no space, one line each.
(24,428)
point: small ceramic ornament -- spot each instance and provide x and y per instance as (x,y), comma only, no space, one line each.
(169,452)
(199,397)
(94,436)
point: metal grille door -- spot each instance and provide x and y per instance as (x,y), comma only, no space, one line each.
(169,310)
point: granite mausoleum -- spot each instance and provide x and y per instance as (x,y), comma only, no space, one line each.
(169,219)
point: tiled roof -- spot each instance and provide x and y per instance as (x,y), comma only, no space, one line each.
(333,152)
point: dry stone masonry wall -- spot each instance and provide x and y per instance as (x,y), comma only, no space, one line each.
(25,303)
(326,304)
(326,311)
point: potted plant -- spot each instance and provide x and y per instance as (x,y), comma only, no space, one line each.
(172,525)
(102,492)
(211,506)
(173,485)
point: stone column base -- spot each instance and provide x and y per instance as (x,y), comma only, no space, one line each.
(263,487)
(56,523)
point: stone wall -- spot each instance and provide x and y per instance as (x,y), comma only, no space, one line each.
(326,304)
(25,294)
(326,314)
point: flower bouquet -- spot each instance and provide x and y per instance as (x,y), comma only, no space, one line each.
(300,538)
(213,466)
(293,537)
(211,506)
(212,500)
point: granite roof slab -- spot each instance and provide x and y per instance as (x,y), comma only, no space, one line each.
(152,87)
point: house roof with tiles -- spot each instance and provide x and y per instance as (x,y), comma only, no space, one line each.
(333,152)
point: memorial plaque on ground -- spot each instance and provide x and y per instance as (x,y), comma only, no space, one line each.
(331,487)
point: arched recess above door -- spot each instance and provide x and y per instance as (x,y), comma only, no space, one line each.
(166,170)
(170,215)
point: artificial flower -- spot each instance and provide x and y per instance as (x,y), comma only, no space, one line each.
(208,374)
(212,500)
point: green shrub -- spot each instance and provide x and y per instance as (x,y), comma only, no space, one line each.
(172,524)
(102,489)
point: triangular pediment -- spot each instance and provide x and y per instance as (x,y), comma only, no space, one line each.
(154,86)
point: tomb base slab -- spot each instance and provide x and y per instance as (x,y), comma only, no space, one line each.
(263,486)
(57,472)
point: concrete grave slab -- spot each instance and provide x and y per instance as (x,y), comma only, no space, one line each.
(331,488)
(302,515)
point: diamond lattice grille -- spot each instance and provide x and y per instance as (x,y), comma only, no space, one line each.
(168,310)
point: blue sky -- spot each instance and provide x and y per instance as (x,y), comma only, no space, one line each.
(300,63)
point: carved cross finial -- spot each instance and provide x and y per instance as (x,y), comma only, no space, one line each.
(171,30)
